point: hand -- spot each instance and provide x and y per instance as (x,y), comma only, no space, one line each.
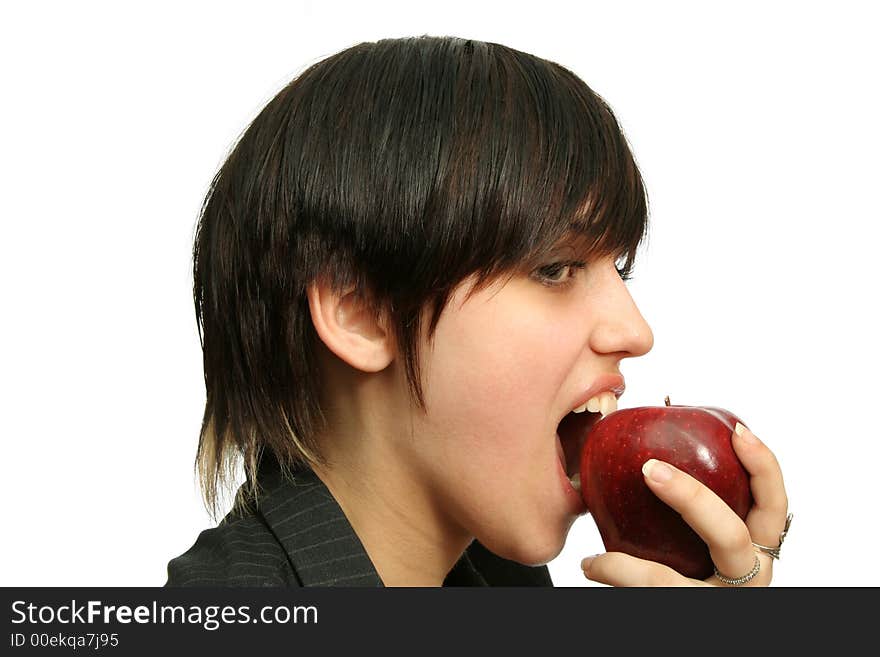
(728,537)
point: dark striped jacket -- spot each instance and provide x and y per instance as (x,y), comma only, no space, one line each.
(298,535)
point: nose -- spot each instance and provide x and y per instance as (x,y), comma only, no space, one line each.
(620,327)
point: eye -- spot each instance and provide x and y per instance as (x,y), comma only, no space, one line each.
(561,274)
(558,274)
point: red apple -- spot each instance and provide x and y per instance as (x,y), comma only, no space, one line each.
(630,518)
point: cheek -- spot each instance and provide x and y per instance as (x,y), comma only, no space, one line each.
(499,373)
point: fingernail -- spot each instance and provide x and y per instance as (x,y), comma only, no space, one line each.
(745,434)
(585,563)
(657,471)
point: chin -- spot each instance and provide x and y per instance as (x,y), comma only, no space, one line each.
(529,549)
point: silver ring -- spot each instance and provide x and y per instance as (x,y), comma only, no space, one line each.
(739,581)
(772,552)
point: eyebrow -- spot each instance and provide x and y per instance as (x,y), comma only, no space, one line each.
(576,242)
(581,245)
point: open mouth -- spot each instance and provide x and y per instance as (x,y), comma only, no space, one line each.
(572,432)
(573,428)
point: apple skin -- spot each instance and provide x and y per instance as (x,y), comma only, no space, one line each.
(630,518)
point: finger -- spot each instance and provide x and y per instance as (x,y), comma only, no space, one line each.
(766,519)
(762,578)
(619,569)
(724,532)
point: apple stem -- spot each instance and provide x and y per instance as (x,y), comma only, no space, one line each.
(666,399)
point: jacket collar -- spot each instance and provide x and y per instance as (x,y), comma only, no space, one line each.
(317,537)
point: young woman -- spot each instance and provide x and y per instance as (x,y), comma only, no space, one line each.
(408,271)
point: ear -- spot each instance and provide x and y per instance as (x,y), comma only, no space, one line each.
(347,325)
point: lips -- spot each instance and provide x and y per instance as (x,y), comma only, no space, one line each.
(614,383)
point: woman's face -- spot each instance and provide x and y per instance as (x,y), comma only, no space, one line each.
(503,369)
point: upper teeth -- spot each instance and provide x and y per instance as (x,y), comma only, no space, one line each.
(604,402)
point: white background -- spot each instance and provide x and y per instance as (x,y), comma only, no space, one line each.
(755,127)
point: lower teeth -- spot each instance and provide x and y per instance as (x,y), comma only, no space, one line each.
(575,481)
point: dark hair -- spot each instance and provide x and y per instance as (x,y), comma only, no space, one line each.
(400,168)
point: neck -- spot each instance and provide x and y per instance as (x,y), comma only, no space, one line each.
(406,538)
